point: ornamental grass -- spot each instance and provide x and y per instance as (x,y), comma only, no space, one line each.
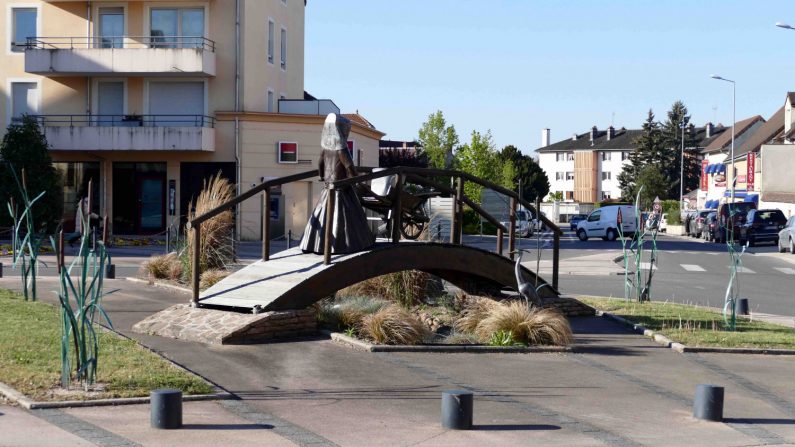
(393,325)
(216,233)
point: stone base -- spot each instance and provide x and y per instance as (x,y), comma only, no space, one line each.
(222,327)
(569,306)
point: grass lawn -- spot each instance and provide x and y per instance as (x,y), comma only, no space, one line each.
(30,358)
(696,326)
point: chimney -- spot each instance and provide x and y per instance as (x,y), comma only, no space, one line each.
(545,137)
(611,132)
(574,137)
(708,129)
(593,133)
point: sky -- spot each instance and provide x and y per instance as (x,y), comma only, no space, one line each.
(517,66)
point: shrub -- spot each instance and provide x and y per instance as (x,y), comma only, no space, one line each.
(503,338)
(527,326)
(460,338)
(216,233)
(167,266)
(210,277)
(393,325)
(406,288)
(672,208)
(474,310)
(347,312)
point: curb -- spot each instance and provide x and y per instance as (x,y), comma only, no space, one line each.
(158,284)
(15,396)
(471,349)
(679,347)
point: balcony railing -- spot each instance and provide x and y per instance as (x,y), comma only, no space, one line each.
(126,120)
(120,42)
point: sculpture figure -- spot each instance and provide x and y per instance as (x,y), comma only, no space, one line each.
(350,232)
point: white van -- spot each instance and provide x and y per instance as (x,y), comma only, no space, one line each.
(602,222)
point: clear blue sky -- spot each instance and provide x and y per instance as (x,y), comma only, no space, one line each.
(516,66)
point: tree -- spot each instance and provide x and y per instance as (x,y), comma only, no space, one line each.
(25,147)
(556,196)
(533,179)
(480,158)
(388,158)
(678,122)
(649,147)
(438,140)
(654,185)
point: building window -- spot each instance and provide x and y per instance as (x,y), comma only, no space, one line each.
(560,156)
(288,152)
(23,26)
(606,195)
(569,175)
(270,101)
(283,43)
(271,39)
(179,103)
(177,28)
(569,156)
(606,156)
(624,156)
(607,175)
(75,177)
(559,176)
(569,195)
(24,99)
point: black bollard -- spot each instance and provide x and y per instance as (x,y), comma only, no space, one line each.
(708,404)
(742,307)
(166,409)
(457,409)
(1,269)
(110,271)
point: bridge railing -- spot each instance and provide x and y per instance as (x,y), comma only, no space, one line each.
(421,176)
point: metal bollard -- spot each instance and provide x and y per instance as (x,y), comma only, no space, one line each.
(1,269)
(289,238)
(457,409)
(741,308)
(708,404)
(110,271)
(166,409)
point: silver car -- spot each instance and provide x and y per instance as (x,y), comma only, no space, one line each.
(786,237)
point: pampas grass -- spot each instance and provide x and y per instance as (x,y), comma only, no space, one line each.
(210,277)
(406,288)
(166,266)
(348,312)
(485,317)
(216,232)
(392,325)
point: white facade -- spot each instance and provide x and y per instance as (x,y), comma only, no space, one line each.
(611,163)
(559,167)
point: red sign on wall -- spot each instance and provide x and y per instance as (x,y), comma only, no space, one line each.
(751,168)
(288,152)
(704,175)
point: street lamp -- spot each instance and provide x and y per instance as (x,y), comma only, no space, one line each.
(682,169)
(734,119)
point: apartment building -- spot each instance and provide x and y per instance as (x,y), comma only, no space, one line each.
(585,167)
(149,98)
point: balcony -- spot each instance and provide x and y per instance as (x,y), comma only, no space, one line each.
(129,132)
(120,56)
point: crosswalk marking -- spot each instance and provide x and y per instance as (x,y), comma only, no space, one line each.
(692,268)
(786,270)
(645,265)
(744,270)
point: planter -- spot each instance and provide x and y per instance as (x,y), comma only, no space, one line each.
(675,230)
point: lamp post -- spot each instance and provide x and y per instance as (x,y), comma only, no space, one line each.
(682,169)
(734,119)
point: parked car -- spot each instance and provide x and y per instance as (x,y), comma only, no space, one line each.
(686,218)
(786,237)
(663,227)
(710,227)
(696,225)
(575,219)
(762,226)
(732,221)
(603,222)
(525,224)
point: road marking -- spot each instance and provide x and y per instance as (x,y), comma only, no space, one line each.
(692,268)
(743,270)
(645,266)
(786,270)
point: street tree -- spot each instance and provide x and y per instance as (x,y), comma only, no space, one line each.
(654,185)
(533,179)
(438,140)
(480,158)
(649,149)
(678,122)
(25,147)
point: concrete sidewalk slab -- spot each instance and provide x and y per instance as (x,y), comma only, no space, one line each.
(19,428)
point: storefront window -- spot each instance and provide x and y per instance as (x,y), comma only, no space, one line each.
(75,187)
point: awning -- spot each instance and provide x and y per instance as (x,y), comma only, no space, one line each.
(721,168)
(738,193)
(711,169)
(752,198)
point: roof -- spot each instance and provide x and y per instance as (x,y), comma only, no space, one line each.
(623,139)
(764,134)
(725,138)
(358,119)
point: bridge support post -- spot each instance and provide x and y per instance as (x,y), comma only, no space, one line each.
(397,211)
(332,193)
(499,241)
(266,224)
(458,212)
(195,267)
(512,229)
(555,259)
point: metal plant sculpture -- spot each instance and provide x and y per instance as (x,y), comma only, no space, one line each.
(636,282)
(80,297)
(733,288)
(25,241)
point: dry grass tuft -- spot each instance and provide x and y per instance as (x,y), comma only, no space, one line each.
(528,326)
(212,276)
(475,309)
(348,312)
(216,233)
(406,288)
(167,266)
(392,325)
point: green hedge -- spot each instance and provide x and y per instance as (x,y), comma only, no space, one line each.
(671,207)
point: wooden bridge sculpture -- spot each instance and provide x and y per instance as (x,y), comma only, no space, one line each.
(292,279)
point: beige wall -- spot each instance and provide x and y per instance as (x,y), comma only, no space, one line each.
(585,176)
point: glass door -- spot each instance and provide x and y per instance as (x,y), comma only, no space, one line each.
(151,193)
(177,28)
(111,27)
(110,101)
